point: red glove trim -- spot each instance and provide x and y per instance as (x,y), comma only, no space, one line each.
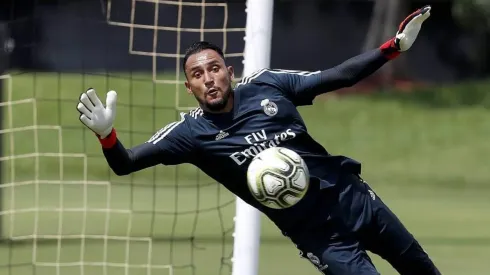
(389,49)
(109,141)
(409,18)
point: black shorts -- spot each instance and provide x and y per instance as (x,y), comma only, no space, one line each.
(357,222)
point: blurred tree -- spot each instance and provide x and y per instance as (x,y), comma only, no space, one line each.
(373,36)
(384,23)
(473,16)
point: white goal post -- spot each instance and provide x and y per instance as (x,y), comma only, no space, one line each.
(63,210)
(258,36)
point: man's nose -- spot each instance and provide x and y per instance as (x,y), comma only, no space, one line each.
(208,80)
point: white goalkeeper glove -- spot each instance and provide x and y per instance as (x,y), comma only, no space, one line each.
(94,115)
(410,27)
(407,33)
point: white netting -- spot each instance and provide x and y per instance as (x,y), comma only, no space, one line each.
(63,212)
(19,211)
(178,29)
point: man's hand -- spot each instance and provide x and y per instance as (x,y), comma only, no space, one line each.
(407,33)
(410,27)
(94,115)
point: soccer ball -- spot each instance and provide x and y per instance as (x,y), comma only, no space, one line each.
(278,177)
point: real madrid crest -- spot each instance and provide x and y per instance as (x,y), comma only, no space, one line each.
(270,108)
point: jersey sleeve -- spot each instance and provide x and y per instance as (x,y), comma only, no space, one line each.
(301,87)
(175,142)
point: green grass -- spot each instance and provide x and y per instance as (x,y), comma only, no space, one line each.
(427,161)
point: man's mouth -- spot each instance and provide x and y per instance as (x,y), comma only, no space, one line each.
(212,92)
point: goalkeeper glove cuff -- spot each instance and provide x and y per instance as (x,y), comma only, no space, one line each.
(109,141)
(390,50)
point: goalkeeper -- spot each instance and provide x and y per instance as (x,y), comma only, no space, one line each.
(340,217)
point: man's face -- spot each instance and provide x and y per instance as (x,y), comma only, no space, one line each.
(209,80)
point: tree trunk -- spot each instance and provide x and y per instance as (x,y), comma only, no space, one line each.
(374,32)
(390,26)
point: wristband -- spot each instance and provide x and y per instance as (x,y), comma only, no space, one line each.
(109,141)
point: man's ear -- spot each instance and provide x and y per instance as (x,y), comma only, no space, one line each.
(188,87)
(231,72)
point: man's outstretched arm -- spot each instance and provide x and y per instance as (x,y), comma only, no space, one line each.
(357,68)
(170,145)
(348,73)
(126,161)
(302,87)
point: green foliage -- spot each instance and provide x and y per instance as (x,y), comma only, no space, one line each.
(472,14)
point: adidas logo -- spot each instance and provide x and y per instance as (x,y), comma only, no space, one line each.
(221,135)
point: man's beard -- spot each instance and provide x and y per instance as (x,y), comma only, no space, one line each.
(217,105)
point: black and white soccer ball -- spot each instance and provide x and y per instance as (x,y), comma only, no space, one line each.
(278,177)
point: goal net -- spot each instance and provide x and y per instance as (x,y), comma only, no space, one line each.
(62,210)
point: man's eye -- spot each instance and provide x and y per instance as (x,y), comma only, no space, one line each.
(197,75)
(215,69)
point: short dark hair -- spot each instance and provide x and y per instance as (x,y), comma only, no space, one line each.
(200,46)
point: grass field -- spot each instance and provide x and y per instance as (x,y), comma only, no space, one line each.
(427,161)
